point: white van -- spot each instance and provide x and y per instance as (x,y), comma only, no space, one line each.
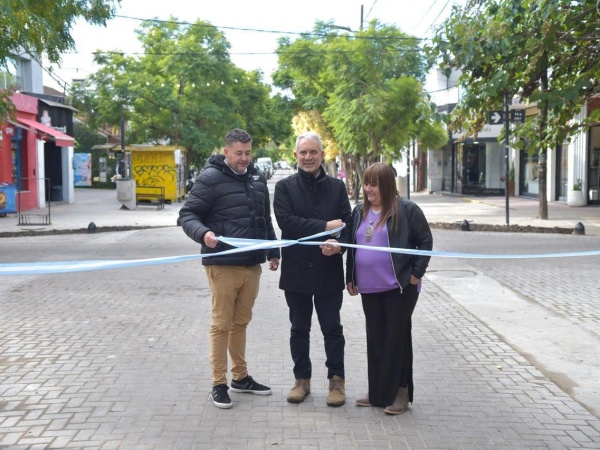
(266,165)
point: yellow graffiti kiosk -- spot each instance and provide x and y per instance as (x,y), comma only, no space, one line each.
(159,166)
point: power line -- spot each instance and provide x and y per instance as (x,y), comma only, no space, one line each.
(275,52)
(291,52)
(446,89)
(426,12)
(438,16)
(65,84)
(258,30)
(62,83)
(207,25)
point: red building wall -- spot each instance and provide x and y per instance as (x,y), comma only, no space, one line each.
(27,197)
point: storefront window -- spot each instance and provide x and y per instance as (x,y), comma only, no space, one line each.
(19,160)
(475,165)
(15,147)
(447,169)
(594,173)
(529,174)
(10,76)
(562,156)
(480,168)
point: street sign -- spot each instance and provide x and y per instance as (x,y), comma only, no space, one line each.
(517,115)
(496,117)
(499,117)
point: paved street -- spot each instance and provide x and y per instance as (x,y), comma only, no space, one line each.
(505,349)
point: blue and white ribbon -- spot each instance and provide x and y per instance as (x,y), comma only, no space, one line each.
(246,245)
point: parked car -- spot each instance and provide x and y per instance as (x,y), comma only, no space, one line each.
(283,165)
(265,168)
(264,162)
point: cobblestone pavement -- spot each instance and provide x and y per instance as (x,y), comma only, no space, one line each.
(570,287)
(545,308)
(118,359)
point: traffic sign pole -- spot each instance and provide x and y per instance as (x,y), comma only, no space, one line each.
(506,141)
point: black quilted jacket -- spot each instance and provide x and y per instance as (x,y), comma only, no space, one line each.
(229,205)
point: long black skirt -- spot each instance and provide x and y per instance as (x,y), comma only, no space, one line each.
(389,343)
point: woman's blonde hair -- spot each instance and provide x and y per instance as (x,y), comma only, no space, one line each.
(380,174)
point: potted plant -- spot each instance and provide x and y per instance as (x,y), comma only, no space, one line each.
(575,195)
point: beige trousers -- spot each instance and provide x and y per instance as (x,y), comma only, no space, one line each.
(234,290)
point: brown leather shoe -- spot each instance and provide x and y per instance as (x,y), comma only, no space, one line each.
(364,401)
(300,390)
(400,402)
(337,391)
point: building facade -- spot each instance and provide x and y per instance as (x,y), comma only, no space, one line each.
(477,165)
(36,147)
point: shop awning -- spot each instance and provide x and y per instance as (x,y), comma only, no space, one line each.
(62,140)
(56,104)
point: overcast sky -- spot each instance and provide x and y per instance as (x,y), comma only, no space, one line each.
(252,27)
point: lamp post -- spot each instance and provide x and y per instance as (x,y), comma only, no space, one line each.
(123,166)
(125,185)
(122,129)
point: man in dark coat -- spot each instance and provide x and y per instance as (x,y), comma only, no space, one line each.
(306,203)
(230,198)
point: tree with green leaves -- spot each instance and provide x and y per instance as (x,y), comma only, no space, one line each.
(42,29)
(368,87)
(184,89)
(545,51)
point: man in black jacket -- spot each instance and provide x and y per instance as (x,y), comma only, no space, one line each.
(230,198)
(306,203)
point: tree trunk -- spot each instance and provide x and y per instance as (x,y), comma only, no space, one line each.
(373,155)
(542,176)
(350,174)
(354,177)
(421,181)
(359,178)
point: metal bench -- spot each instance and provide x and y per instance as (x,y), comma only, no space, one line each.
(150,196)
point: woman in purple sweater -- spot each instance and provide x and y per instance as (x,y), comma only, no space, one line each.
(389,284)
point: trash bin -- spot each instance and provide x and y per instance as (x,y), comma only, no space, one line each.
(434,184)
(8,198)
(126,192)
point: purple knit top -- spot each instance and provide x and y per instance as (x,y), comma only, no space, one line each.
(374,270)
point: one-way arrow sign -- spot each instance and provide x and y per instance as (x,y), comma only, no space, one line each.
(496,117)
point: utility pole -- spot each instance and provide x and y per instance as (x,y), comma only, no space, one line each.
(362,12)
(122,130)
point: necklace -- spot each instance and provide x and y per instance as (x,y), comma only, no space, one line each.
(370,229)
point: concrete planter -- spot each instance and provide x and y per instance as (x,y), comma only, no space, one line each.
(575,198)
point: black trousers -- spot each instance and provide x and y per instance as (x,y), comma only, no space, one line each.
(389,343)
(328,312)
